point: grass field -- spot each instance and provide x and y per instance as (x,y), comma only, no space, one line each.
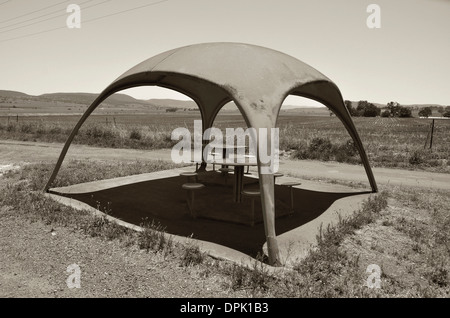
(389,142)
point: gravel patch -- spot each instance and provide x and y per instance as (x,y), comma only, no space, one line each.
(34,259)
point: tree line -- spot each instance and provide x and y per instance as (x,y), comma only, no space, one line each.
(392,109)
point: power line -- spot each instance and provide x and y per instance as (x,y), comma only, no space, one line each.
(84,22)
(120,12)
(60,15)
(28,35)
(24,15)
(41,16)
(5,2)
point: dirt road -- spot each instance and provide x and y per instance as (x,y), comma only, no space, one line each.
(17,152)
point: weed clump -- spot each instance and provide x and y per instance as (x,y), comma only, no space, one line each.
(192,255)
(153,238)
(256,278)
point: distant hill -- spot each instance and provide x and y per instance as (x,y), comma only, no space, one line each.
(185,104)
(21,101)
(88,98)
(12,103)
(12,94)
(169,103)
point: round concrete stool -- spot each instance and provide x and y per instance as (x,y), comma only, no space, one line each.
(190,175)
(252,194)
(291,191)
(276,175)
(191,188)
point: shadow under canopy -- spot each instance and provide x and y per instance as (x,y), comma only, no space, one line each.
(255,78)
(162,202)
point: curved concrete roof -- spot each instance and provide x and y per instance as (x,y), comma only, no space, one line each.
(257,79)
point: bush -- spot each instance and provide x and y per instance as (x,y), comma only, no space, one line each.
(135,134)
(371,111)
(425,112)
(94,132)
(367,109)
(323,149)
(10,127)
(346,152)
(26,128)
(320,148)
(349,148)
(416,158)
(386,113)
(405,112)
(55,130)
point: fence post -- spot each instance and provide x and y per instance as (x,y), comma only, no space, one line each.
(432,131)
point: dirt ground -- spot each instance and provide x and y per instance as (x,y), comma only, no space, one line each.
(35,258)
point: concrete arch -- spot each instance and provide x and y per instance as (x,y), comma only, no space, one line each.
(255,78)
(311,91)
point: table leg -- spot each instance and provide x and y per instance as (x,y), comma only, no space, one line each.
(238,183)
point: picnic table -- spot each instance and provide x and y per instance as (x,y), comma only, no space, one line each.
(238,175)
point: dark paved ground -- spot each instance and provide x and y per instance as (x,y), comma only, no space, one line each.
(220,220)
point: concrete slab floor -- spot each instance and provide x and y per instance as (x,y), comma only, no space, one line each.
(221,228)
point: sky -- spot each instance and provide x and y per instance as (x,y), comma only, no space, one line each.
(405,58)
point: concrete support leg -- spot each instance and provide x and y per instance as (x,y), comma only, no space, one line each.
(268,209)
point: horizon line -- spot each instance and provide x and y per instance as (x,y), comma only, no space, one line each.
(190,100)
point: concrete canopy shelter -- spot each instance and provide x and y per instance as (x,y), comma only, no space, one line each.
(255,78)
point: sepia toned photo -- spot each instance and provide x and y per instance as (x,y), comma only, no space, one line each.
(224,156)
